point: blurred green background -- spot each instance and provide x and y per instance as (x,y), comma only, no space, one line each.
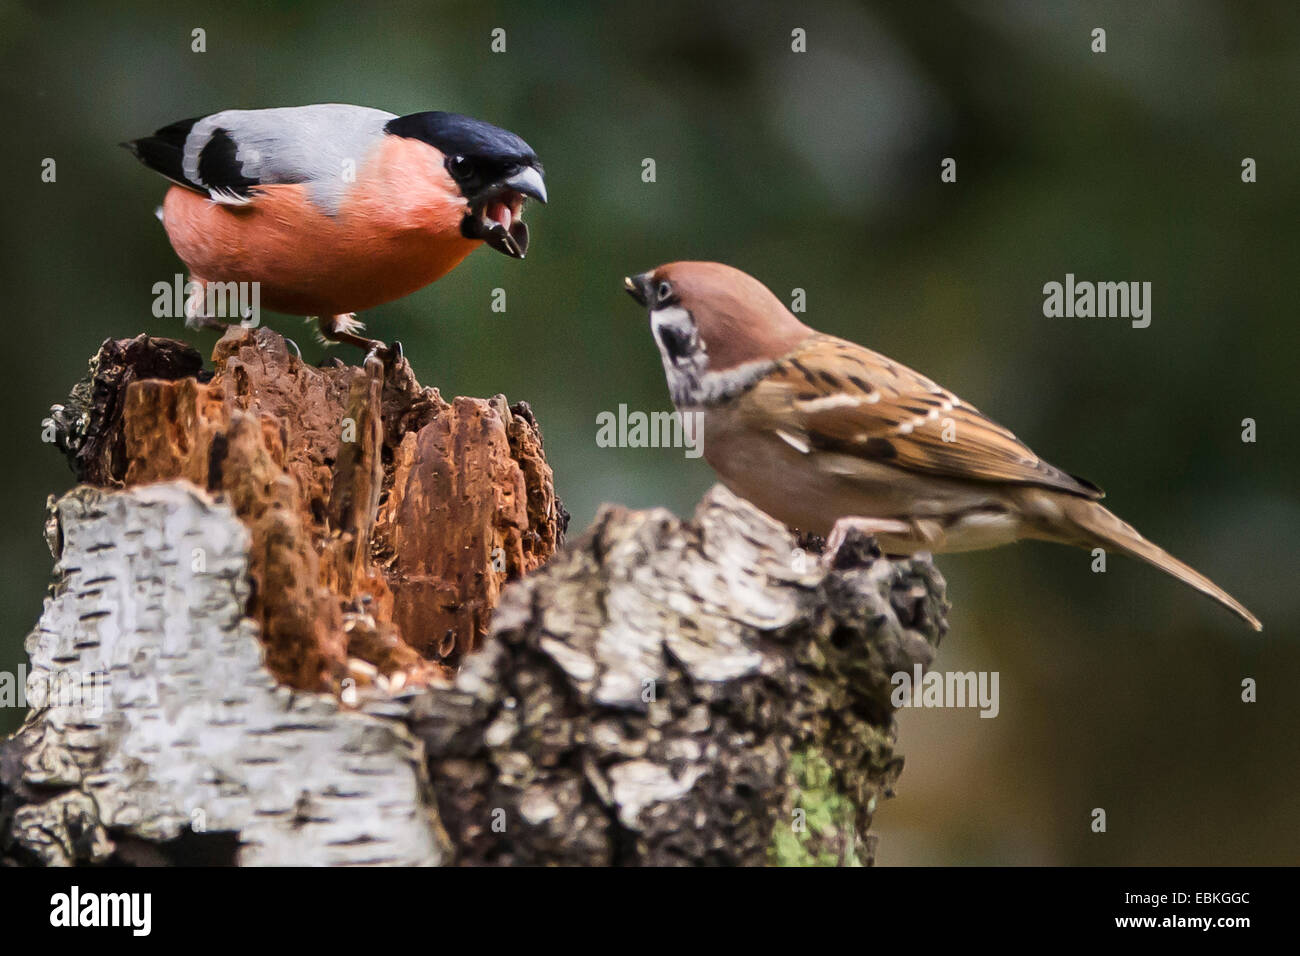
(818,171)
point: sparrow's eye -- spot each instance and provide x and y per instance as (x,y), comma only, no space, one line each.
(664,292)
(460,167)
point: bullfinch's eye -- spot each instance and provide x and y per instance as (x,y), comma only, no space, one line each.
(460,167)
(664,292)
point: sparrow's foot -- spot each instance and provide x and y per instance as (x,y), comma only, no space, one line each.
(344,328)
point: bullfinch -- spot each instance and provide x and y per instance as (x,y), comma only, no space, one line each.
(825,435)
(332,208)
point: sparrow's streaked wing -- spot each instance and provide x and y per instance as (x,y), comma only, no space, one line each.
(833,395)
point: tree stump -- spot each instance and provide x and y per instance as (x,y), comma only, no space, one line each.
(322,616)
(384,520)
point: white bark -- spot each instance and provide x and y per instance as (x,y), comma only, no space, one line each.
(662,691)
(161,712)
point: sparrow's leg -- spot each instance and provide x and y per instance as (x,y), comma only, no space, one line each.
(869,526)
(344,328)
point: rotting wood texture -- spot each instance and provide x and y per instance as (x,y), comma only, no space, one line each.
(384,520)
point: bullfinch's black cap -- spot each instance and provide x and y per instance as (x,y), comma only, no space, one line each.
(493,169)
(457,135)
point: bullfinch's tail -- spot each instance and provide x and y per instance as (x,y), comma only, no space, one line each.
(164,151)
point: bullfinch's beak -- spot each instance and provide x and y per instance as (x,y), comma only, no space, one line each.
(529,182)
(638,287)
(495,211)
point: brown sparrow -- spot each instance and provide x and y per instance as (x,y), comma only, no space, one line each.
(823,434)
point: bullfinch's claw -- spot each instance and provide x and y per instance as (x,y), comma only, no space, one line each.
(345,329)
(389,355)
(199,322)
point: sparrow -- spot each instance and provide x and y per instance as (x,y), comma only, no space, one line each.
(334,209)
(825,435)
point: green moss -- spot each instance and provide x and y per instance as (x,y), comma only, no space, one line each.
(827,836)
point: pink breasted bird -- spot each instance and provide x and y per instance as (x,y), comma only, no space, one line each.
(332,208)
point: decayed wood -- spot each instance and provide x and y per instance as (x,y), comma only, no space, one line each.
(384,519)
(660,692)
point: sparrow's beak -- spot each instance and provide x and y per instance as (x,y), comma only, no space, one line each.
(638,287)
(494,214)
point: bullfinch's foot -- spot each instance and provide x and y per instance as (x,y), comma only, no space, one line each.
(344,328)
(197,316)
(390,355)
(199,321)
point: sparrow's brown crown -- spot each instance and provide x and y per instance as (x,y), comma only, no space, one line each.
(737,317)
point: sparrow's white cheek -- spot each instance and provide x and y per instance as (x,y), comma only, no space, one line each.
(673,317)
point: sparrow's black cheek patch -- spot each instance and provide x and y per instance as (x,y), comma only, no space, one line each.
(676,343)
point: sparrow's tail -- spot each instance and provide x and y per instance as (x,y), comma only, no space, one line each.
(1105,529)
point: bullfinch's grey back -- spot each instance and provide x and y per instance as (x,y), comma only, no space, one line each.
(330,209)
(226,155)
